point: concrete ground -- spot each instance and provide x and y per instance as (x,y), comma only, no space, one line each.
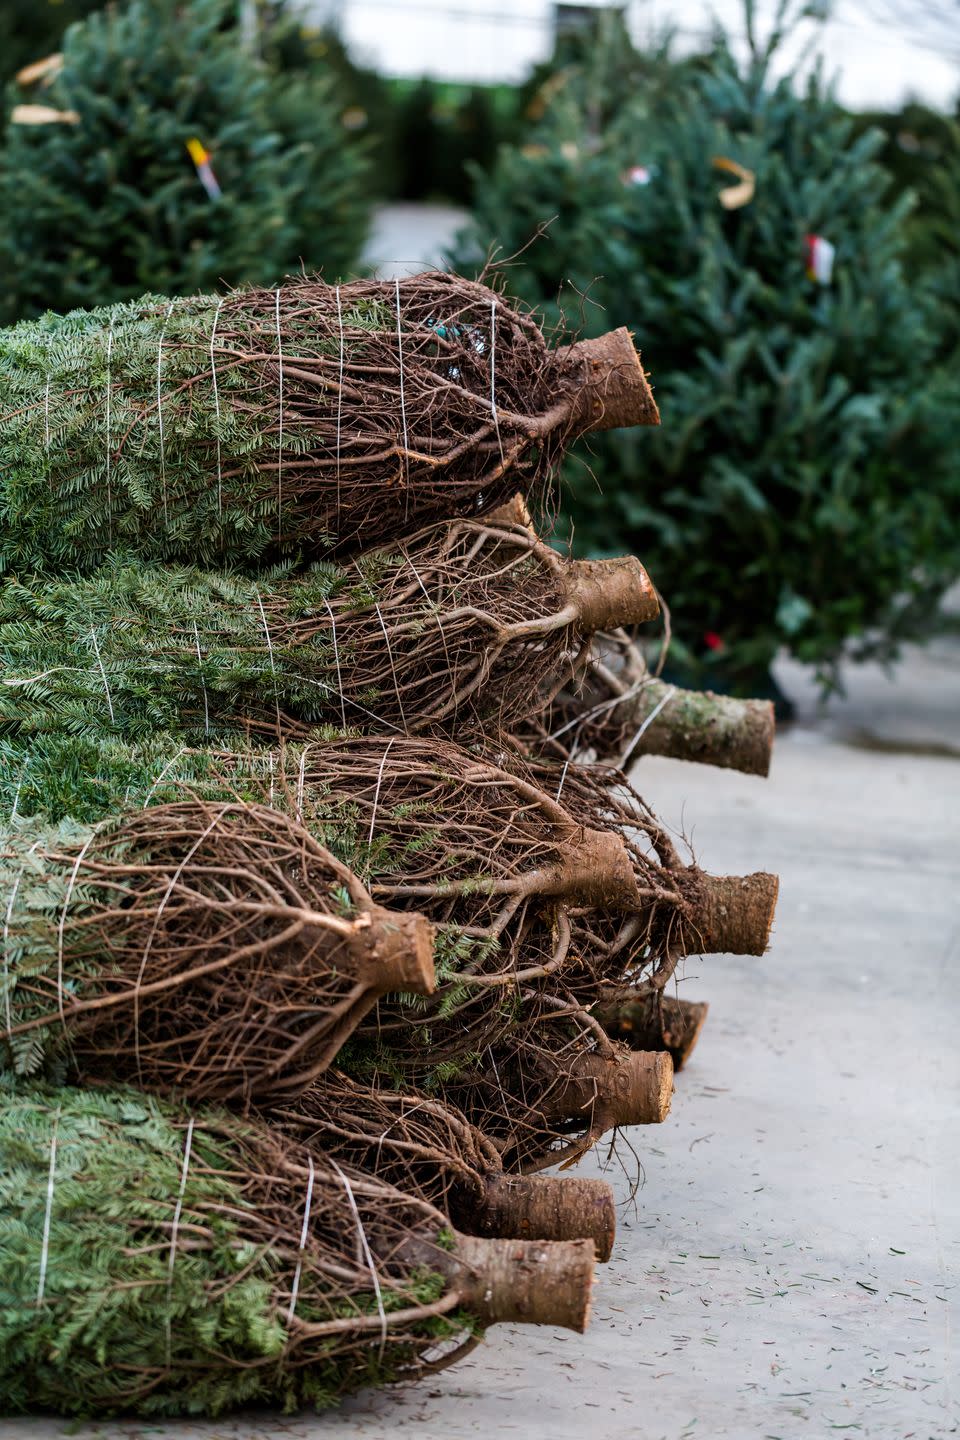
(790,1265)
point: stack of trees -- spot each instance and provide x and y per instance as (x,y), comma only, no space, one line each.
(328,922)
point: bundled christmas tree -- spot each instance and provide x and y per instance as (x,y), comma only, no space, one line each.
(541,909)
(649,1020)
(215,949)
(744,233)
(427,1147)
(615,707)
(429,826)
(286,422)
(160,1261)
(178,160)
(616,710)
(466,622)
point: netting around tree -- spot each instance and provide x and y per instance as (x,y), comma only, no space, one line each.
(465,623)
(158,1260)
(211,948)
(303,420)
(428,1147)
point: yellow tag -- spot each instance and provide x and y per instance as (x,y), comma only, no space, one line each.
(197,153)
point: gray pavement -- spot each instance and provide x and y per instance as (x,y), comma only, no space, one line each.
(790,1265)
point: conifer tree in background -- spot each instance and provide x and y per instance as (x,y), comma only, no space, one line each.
(30,29)
(108,202)
(803,489)
(293,46)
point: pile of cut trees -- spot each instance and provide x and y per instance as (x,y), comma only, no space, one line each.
(330,918)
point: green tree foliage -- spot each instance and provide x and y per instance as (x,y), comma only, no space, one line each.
(112,205)
(803,488)
(922,152)
(148,1254)
(296,49)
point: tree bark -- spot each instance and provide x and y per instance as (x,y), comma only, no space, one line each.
(395,952)
(708,729)
(730,914)
(631,1089)
(650,1020)
(595,869)
(615,390)
(539,1207)
(529,1282)
(611,593)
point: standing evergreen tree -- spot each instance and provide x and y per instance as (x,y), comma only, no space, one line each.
(803,488)
(31,29)
(109,201)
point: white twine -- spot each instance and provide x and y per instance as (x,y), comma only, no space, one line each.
(16,794)
(301,783)
(628,750)
(339,391)
(392,1126)
(103,673)
(376,794)
(170,763)
(602,708)
(432,605)
(216,405)
(163,461)
(203,683)
(280,438)
(336,661)
(563,777)
(171,886)
(273,668)
(178,1211)
(46,418)
(107,427)
(367,1256)
(270,761)
(493,374)
(295,1287)
(328,689)
(48,1213)
(403,403)
(508,1107)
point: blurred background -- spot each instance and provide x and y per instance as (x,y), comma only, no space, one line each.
(768,195)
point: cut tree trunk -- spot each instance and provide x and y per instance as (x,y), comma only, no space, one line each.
(614,384)
(649,1020)
(697,725)
(525,1282)
(635,1089)
(544,1207)
(733,914)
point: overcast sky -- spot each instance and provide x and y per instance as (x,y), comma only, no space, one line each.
(875,63)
